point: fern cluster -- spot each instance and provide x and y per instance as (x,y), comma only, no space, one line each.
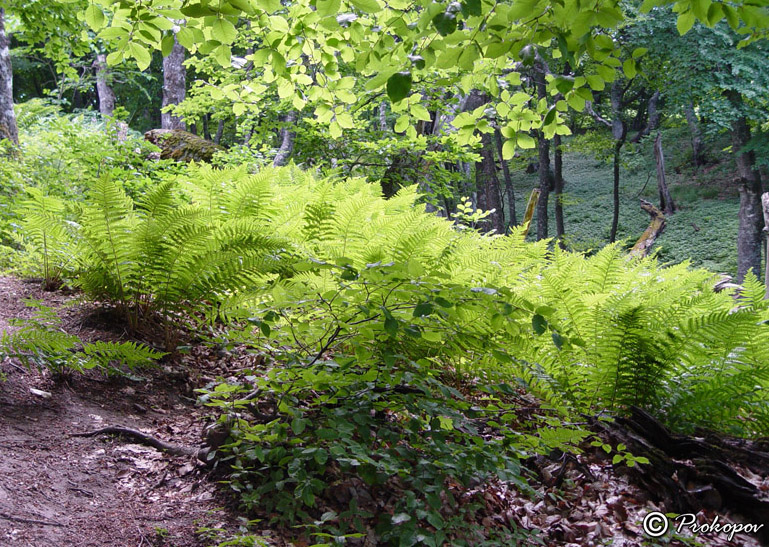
(599,332)
(632,332)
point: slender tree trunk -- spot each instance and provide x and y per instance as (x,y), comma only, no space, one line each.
(543,149)
(8,128)
(666,200)
(206,129)
(698,150)
(488,183)
(749,236)
(383,116)
(765,204)
(558,189)
(287,136)
(219,132)
(509,188)
(174,86)
(619,132)
(652,117)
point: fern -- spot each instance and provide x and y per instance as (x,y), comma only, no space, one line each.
(40,342)
(47,231)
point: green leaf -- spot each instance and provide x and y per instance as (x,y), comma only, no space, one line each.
(321,456)
(399,86)
(508,149)
(685,22)
(391,325)
(497,49)
(95,18)
(140,53)
(472,7)
(298,425)
(223,31)
(369,6)
(539,324)
(223,56)
(564,84)
(242,5)
(445,23)
(423,309)
(197,10)
(325,8)
(629,68)
(167,45)
(550,116)
(639,52)
(526,141)
(557,340)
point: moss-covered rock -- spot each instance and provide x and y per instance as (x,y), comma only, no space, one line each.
(181,146)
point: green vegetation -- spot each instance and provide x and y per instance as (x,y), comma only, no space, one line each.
(352,225)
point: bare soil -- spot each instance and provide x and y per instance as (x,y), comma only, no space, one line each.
(57,490)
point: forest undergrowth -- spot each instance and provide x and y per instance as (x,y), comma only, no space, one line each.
(404,367)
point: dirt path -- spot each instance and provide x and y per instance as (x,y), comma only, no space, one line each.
(56,490)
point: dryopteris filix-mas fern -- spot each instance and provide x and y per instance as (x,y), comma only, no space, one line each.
(600,332)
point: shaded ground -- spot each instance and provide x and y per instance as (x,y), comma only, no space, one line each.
(57,490)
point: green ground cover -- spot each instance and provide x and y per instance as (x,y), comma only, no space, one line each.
(703,230)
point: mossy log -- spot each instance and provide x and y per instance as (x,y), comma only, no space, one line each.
(180,145)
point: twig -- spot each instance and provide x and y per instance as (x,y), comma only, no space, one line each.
(6,516)
(14,365)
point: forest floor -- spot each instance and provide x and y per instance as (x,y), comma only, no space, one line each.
(60,490)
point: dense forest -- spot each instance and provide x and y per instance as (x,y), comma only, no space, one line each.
(369,272)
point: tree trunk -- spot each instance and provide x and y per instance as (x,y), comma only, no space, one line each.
(287,136)
(652,117)
(487,182)
(558,189)
(619,132)
(696,136)
(8,128)
(509,189)
(206,130)
(543,148)
(765,204)
(383,116)
(666,200)
(749,236)
(219,132)
(174,86)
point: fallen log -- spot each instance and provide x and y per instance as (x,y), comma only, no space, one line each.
(647,239)
(691,473)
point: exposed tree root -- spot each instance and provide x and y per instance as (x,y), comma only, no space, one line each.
(23,520)
(143,438)
(692,473)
